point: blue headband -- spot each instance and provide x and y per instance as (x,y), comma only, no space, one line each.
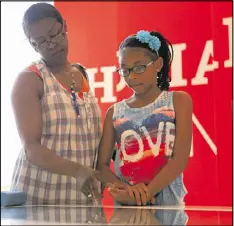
(145,37)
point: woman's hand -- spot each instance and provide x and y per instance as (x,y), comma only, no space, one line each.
(88,182)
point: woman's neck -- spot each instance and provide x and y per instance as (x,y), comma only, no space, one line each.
(59,68)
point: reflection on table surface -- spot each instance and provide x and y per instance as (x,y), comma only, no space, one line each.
(120,215)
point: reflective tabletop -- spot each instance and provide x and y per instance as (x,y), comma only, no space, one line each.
(115,215)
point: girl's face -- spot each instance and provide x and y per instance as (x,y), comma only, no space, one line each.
(139,69)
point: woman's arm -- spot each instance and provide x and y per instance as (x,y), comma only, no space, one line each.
(106,148)
(26,95)
(183,111)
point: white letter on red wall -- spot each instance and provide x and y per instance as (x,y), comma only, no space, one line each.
(177,66)
(228,22)
(203,67)
(106,84)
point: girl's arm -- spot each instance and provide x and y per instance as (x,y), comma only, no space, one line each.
(183,110)
(106,148)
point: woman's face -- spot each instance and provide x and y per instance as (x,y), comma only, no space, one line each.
(48,37)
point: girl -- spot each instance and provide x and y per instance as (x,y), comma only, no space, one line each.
(152,128)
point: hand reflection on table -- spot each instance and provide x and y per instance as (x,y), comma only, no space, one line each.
(134,217)
(55,214)
(67,214)
(143,216)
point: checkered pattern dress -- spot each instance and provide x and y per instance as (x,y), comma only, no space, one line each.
(71,137)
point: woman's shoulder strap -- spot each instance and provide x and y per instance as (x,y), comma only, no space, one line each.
(82,69)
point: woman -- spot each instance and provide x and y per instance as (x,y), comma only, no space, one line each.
(57,116)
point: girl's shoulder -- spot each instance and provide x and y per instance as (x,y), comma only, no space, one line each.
(180,97)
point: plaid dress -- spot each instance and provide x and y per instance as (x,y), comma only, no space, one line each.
(71,137)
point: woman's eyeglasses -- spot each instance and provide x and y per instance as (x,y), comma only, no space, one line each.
(54,40)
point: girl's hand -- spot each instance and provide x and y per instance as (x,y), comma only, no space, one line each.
(138,192)
(122,196)
(117,184)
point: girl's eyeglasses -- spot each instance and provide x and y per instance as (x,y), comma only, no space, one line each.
(139,69)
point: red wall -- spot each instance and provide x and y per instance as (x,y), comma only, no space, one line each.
(201,35)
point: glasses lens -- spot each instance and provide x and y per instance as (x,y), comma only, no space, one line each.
(123,72)
(139,69)
(58,38)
